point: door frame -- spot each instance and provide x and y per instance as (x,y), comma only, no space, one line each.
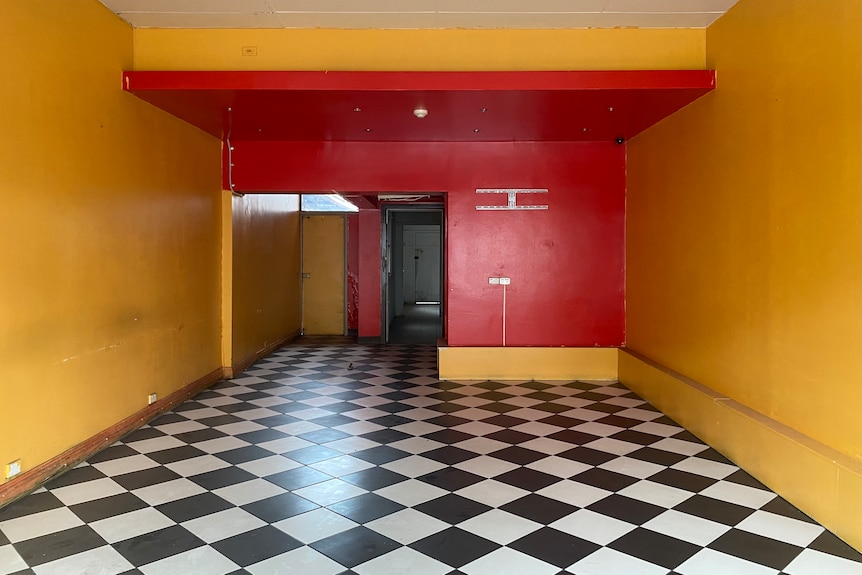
(386,257)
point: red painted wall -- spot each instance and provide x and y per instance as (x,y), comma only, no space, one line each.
(370,300)
(566,263)
(353,272)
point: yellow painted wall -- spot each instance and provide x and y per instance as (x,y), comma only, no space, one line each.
(265,241)
(326,49)
(109,259)
(743,224)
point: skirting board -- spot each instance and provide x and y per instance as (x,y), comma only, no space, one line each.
(527,363)
(31,479)
(822,482)
(243,364)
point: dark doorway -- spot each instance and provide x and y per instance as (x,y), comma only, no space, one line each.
(413,277)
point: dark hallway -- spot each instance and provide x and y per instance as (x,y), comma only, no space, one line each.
(420,324)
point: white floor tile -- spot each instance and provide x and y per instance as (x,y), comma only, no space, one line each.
(314,525)
(329,492)
(200,561)
(359,427)
(221,444)
(298,427)
(416,445)
(351,444)
(574,493)
(687,527)
(403,561)
(782,528)
(114,467)
(614,446)
(811,562)
(38,524)
(679,446)
(599,429)
(709,562)
(592,526)
(499,526)
(269,465)
(407,526)
(168,491)
(132,524)
(413,466)
(739,494)
(656,493)
(341,465)
(486,466)
(223,524)
(659,429)
(546,445)
(180,427)
(482,445)
(301,561)
(259,413)
(285,444)
(249,491)
(411,492)
(606,561)
(493,493)
(477,428)
(197,465)
(101,560)
(88,491)
(10,561)
(505,561)
(559,466)
(641,414)
(705,467)
(240,427)
(632,467)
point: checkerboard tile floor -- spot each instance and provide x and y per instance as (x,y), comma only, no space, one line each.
(331,458)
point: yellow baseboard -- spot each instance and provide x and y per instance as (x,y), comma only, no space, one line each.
(527,363)
(822,482)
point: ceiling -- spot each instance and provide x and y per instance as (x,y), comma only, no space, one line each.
(461,106)
(419,14)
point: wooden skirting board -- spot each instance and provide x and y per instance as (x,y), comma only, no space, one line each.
(33,478)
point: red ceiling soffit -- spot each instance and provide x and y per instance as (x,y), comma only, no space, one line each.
(462,106)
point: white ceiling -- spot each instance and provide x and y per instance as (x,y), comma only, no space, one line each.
(418,14)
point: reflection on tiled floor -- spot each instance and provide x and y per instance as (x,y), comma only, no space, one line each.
(337,458)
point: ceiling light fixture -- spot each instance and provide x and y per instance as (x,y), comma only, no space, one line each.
(420,112)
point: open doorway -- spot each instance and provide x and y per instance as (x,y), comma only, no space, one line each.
(413,274)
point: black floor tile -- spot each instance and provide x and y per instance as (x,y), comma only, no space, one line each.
(97,509)
(47,548)
(519,455)
(714,510)
(146,477)
(254,546)
(555,547)
(366,507)
(539,508)
(452,508)
(33,503)
(175,454)
(157,545)
(298,477)
(626,509)
(682,480)
(74,476)
(454,546)
(278,507)
(312,454)
(374,478)
(655,548)
(243,454)
(222,477)
(603,479)
(450,455)
(355,546)
(193,507)
(528,479)
(587,455)
(756,548)
(381,455)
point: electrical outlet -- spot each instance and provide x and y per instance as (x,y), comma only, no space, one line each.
(505,281)
(494,281)
(13,469)
(152,399)
(249,50)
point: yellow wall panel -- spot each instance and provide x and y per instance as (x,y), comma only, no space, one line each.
(743,221)
(110,226)
(265,277)
(326,49)
(526,363)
